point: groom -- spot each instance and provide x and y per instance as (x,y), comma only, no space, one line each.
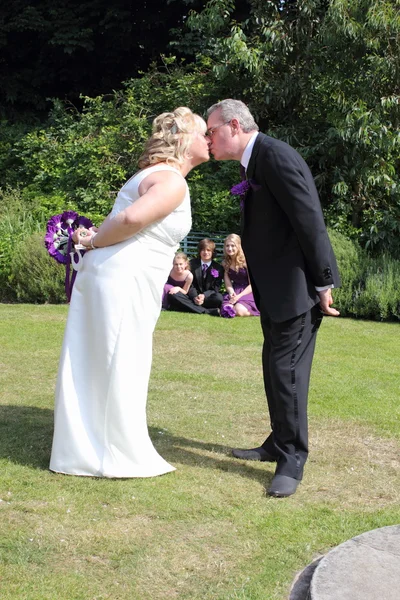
(292,269)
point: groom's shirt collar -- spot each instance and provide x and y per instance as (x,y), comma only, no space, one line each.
(244,161)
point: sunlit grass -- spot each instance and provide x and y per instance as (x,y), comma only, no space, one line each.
(206,531)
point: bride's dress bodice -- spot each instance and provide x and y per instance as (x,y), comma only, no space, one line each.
(170,230)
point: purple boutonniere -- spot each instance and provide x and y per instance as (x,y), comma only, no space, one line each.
(214,273)
(241,189)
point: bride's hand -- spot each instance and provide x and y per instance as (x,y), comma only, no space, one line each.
(75,235)
(83,236)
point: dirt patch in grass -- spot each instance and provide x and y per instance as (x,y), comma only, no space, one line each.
(350,466)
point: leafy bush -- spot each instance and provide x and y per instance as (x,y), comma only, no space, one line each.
(85,157)
(378,295)
(10,163)
(348,256)
(370,286)
(82,158)
(213,207)
(35,276)
(17,222)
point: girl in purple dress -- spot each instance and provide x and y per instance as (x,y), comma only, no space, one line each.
(239,299)
(179,279)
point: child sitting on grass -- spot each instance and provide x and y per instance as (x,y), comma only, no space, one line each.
(179,279)
(239,299)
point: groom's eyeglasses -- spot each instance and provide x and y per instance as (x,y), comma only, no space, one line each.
(210,132)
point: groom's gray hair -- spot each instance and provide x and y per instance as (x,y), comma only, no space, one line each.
(235,109)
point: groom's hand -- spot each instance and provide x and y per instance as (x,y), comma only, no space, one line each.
(325,302)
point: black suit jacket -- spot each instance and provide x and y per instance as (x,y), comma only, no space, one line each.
(208,285)
(284,236)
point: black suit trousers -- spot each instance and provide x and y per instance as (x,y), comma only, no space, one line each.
(184,303)
(288,352)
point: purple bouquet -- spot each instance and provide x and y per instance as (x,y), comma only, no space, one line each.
(59,244)
(59,231)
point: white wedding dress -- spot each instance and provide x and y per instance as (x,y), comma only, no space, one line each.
(100,425)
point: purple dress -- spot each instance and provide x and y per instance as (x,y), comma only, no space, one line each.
(168,286)
(240,280)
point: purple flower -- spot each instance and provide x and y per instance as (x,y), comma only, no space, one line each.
(240,188)
(228,311)
(83,222)
(51,234)
(214,273)
(69,217)
(56,221)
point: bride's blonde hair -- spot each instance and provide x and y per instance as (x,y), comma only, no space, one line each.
(173,132)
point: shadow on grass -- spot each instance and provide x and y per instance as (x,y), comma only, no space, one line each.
(183,450)
(26,435)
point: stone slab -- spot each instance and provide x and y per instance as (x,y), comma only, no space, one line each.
(367,567)
(301,584)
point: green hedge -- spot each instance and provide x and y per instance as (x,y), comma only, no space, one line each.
(36,277)
(17,222)
(370,286)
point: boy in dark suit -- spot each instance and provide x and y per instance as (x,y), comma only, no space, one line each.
(203,296)
(292,270)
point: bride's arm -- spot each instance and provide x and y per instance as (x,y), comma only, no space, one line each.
(160,193)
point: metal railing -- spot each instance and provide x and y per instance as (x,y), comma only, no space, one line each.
(189,245)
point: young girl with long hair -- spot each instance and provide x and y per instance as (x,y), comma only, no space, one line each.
(239,299)
(179,280)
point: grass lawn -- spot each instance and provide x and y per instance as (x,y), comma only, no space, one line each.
(206,531)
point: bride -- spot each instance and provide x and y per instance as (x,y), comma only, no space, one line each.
(100,426)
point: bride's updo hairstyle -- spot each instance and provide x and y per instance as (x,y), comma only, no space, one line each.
(173,133)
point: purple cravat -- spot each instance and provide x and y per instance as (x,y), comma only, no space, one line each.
(204,267)
(242,172)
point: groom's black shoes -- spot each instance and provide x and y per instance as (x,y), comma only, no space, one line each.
(283,486)
(254,454)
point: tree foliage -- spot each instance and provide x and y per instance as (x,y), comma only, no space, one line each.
(53,48)
(80,159)
(362,146)
(324,76)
